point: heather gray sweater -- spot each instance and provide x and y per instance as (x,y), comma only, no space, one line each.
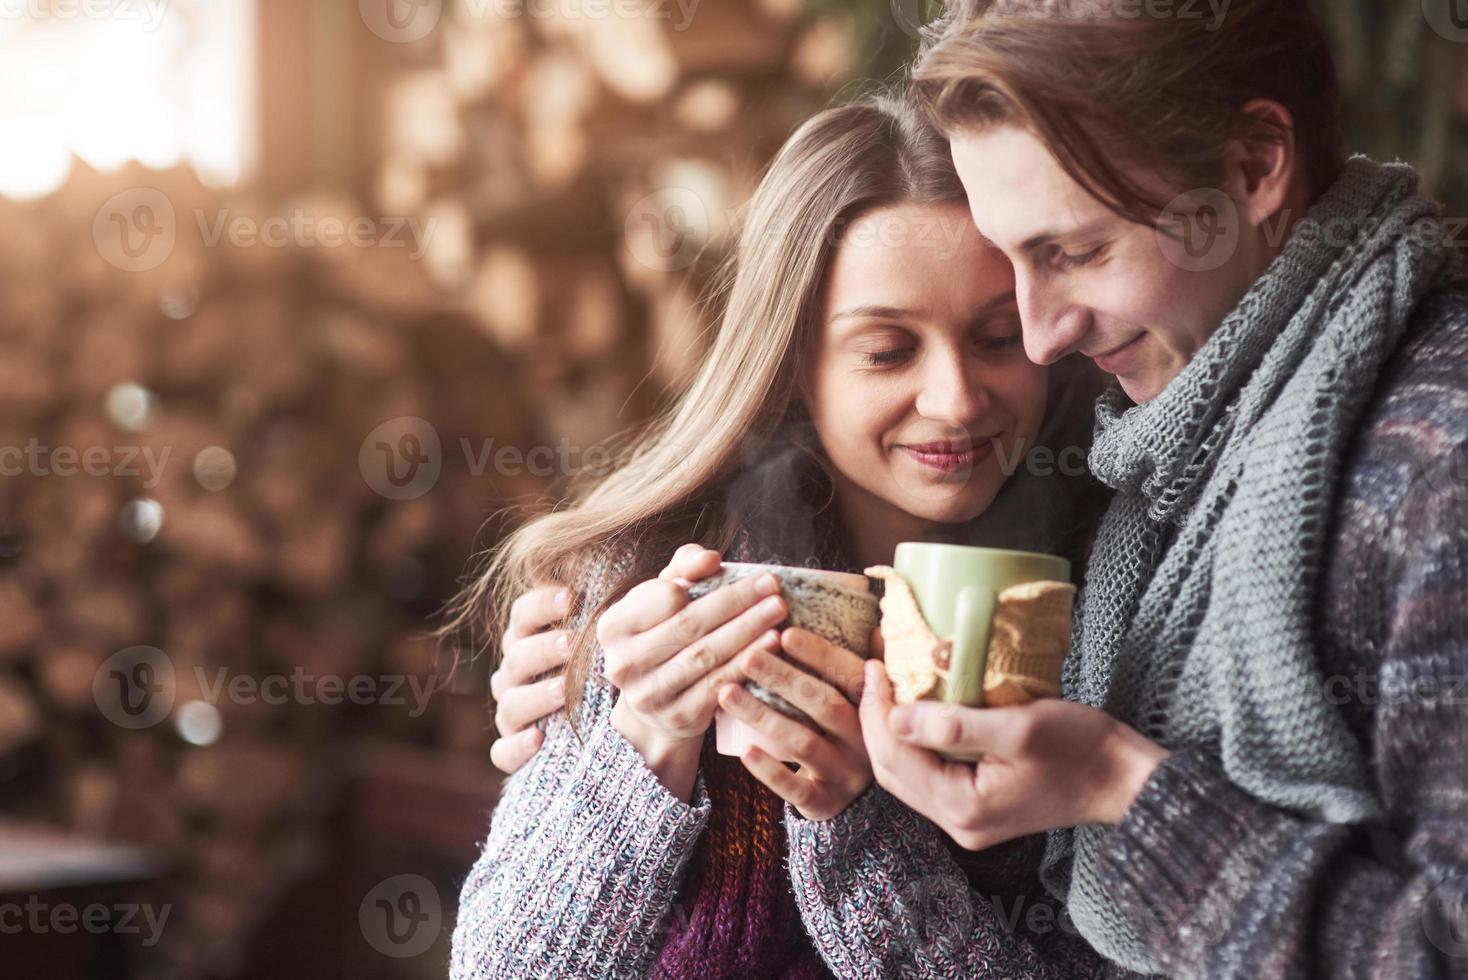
(586,848)
(586,851)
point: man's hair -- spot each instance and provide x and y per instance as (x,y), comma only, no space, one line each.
(1121,89)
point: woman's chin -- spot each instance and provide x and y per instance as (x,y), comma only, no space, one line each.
(958,507)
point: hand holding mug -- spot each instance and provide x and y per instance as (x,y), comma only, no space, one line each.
(667,655)
(834,768)
(1046,764)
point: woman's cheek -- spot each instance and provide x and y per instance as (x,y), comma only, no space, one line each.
(1020,390)
(855,417)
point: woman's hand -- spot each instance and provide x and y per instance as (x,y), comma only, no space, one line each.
(1046,764)
(834,768)
(531,648)
(668,655)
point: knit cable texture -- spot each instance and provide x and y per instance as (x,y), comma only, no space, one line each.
(1196,621)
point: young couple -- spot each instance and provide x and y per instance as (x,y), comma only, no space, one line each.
(1257,769)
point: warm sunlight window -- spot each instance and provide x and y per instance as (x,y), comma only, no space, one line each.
(162,82)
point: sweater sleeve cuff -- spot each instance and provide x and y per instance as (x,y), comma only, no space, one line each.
(861,822)
(631,803)
(1181,844)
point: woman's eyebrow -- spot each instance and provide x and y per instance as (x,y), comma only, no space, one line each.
(869,311)
(866,311)
(992,306)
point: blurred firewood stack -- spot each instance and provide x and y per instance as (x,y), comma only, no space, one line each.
(584,162)
(198,463)
(188,466)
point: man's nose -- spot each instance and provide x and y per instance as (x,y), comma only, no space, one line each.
(1052,324)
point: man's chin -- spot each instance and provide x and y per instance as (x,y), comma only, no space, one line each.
(1142,388)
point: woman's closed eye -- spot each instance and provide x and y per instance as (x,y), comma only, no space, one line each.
(887,357)
(1002,343)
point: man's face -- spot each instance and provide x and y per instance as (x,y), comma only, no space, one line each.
(1087,279)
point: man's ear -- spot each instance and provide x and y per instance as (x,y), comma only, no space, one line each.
(1262,174)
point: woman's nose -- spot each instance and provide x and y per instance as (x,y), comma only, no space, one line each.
(951,391)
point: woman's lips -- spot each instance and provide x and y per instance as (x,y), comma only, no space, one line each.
(948,457)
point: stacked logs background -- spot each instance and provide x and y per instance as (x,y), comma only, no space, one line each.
(575,180)
(222,400)
(585,172)
(226,402)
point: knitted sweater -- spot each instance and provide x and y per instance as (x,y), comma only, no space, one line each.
(580,875)
(1229,886)
(592,869)
(586,870)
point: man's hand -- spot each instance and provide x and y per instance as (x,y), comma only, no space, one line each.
(1046,764)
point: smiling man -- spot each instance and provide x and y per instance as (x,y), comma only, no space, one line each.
(1094,282)
(1288,330)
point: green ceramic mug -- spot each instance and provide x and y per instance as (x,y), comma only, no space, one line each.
(956,587)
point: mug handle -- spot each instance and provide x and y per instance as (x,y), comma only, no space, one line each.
(973,614)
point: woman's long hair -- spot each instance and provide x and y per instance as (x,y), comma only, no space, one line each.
(665,489)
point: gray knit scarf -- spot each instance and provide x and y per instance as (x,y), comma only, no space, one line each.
(1195,624)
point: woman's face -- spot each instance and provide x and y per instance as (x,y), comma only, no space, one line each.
(919,386)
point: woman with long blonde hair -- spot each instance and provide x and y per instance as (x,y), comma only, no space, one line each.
(867,385)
